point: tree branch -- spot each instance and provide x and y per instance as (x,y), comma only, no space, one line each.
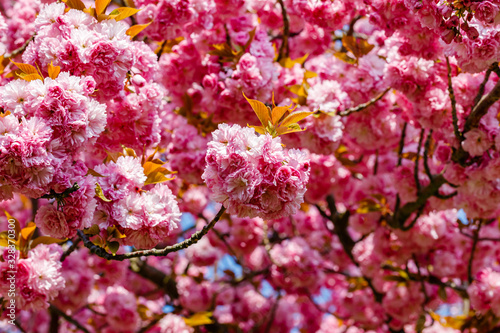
(364,105)
(99,251)
(165,282)
(19,49)
(482,108)
(474,245)
(400,216)
(68,318)
(284,49)
(480,92)
(454,116)
(72,248)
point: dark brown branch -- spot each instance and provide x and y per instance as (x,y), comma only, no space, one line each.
(284,49)
(417,159)
(101,252)
(19,49)
(402,144)
(69,319)
(401,215)
(54,321)
(454,116)
(165,282)
(474,245)
(272,314)
(19,327)
(341,222)
(480,92)
(72,248)
(427,147)
(482,108)
(363,106)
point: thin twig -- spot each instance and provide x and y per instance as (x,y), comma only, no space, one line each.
(99,251)
(401,215)
(54,321)
(273,313)
(480,92)
(454,116)
(474,245)
(427,147)
(417,159)
(72,248)
(364,105)
(284,49)
(69,319)
(402,144)
(19,327)
(482,108)
(19,49)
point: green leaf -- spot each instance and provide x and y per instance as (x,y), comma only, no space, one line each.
(419,327)
(92,231)
(113,246)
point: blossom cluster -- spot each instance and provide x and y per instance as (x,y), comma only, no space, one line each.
(252,175)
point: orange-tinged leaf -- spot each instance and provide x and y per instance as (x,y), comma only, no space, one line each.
(25,68)
(309,74)
(53,71)
(46,240)
(129,3)
(136,29)
(28,231)
(295,117)
(112,157)
(151,167)
(75,4)
(358,46)
(30,77)
(157,177)
(122,13)
(344,57)
(261,110)
(287,130)
(251,35)
(280,111)
(289,63)
(17,226)
(100,6)
(223,51)
(258,129)
(129,152)
(198,319)
(99,193)
(90,11)
(93,173)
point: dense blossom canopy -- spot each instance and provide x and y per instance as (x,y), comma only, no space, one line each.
(182,166)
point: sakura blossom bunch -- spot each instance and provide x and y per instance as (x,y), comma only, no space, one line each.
(252,175)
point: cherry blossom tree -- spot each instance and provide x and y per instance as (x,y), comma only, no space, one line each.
(250,166)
